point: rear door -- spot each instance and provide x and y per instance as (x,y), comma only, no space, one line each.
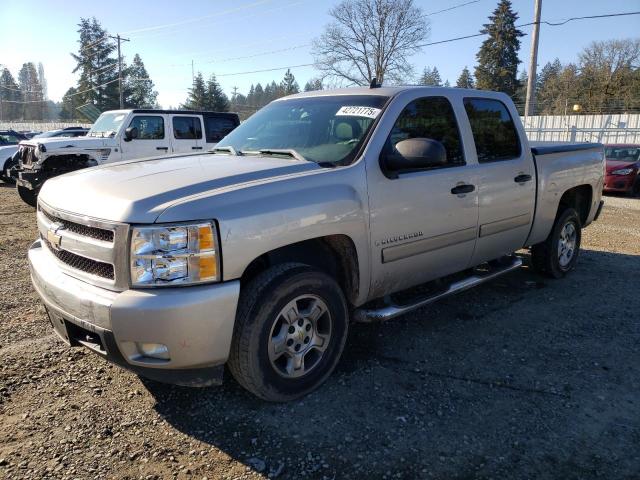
(186,133)
(506,187)
(152,140)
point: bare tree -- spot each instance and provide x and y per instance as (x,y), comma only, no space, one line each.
(370,39)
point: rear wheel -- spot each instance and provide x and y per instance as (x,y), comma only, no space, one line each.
(290,331)
(557,255)
(28,196)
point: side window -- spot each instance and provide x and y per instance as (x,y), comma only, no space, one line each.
(493,130)
(149,127)
(187,128)
(433,118)
(217,128)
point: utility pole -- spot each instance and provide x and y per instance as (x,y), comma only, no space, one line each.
(193,77)
(530,104)
(119,39)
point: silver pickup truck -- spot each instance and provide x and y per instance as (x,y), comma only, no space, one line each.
(323,207)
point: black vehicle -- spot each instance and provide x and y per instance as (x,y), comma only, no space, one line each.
(65,132)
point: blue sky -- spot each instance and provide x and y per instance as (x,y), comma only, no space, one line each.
(169,35)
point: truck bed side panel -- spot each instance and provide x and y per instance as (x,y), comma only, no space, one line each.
(558,171)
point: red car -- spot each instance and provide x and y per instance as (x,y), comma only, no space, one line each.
(623,165)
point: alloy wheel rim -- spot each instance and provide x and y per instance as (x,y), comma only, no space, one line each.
(299,336)
(567,244)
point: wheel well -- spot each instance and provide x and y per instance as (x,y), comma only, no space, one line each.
(333,254)
(579,198)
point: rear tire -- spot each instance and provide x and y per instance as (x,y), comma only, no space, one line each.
(557,255)
(28,196)
(290,331)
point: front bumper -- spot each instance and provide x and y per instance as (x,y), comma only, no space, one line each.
(619,183)
(195,323)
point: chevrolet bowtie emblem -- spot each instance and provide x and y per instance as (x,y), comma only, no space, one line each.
(52,236)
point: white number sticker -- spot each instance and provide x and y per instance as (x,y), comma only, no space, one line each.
(368,112)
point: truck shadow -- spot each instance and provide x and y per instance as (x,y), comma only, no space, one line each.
(503,378)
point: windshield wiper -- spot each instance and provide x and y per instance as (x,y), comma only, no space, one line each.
(228,149)
(290,152)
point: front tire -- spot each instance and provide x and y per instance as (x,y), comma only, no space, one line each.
(5,175)
(28,196)
(557,255)
(290,331)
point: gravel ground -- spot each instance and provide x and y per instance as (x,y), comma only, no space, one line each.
(522,378)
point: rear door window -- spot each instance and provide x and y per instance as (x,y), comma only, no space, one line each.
(217,128)
(494,131)
(187,128)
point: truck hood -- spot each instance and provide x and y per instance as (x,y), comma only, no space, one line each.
(57,143)
(139,191)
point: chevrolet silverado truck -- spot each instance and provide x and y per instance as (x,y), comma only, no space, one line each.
(118,135)
(324,207)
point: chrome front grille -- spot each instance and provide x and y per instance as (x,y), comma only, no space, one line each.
(92,267)
(27,155)
(83,230)
(89,249)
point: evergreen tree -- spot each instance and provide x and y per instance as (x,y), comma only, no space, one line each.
(447,83)
(258,96)
(465,80)
(70,102)
(430,77)
(98,69)
(289,85)
(196,99)
(313,85)
(9,95)
(217,101)
(520,97)
(498,56)
(138,87)
(33,106)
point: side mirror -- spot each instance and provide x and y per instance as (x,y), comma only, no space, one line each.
(416,154)
(130,133)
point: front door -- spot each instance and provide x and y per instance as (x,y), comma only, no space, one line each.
(152,139)
(506,179)
(187,134)
(423,225)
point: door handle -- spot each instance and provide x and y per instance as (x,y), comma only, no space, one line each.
(196,148)
(461,189)
(162,148)
(522,178)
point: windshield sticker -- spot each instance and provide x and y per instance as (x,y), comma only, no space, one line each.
(368,112)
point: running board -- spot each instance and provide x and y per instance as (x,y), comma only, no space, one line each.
(392,310)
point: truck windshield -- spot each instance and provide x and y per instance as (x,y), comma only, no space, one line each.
(323,129)
(107,125)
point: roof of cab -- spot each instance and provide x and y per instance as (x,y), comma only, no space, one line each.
(379,91)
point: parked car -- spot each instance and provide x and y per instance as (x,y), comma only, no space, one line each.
(623,169)
(63,132)
(322,207)
(30,133)
(119,135)
(9,140)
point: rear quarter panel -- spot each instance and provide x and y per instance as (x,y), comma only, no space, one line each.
(556,174)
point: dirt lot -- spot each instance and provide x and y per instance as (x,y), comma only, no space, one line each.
(522,378)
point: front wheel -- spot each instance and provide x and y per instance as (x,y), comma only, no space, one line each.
(290,331)
(557,255)
(28,196)
(5,175)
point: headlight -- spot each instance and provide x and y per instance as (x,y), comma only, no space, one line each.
(622,171)
(174,255)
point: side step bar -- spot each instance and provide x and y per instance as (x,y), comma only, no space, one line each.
(392,310)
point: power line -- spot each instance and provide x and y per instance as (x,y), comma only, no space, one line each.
(197,19)
(451,8)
